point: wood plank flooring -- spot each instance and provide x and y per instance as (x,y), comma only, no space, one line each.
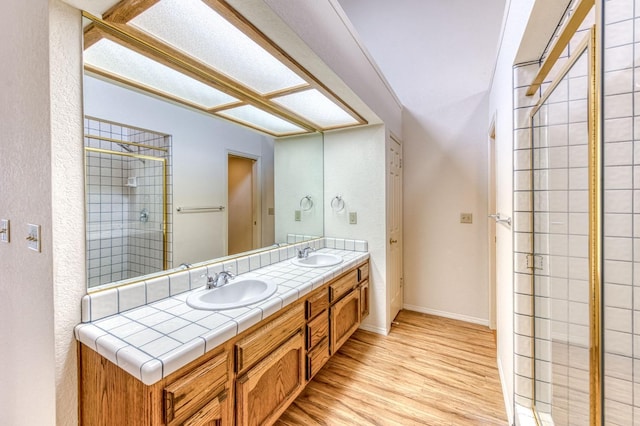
(428,371)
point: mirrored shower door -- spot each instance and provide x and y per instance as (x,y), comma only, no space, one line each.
(560,128)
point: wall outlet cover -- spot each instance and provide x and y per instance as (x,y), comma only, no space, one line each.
(4,230)
(466,218)
(353,218)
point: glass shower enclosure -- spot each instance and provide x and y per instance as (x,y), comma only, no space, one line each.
(560,129)
(126,201)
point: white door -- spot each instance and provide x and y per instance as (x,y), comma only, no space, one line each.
(394,185)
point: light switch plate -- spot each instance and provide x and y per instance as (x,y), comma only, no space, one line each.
(353,218)
(466,218)
(5,230)
(33,237)
(298,215)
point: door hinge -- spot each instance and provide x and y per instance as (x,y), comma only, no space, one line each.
(534,262)
(401,163)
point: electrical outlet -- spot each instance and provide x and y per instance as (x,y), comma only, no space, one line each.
(466,218)
(298,215)
(353,218)
(4,230)
(33,237)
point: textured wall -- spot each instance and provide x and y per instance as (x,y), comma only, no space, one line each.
(67,195)
(39,171)
(354,167)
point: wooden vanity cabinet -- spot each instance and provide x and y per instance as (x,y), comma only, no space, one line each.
(317,332)
(270,363)
(344,319)
(267,389)
(198,398)
(198,394)
(249,380)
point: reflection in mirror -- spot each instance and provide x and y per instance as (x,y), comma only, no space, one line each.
(143,219)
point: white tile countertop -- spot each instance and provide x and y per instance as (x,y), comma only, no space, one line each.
(154,340)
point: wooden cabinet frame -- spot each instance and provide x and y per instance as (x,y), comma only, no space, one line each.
(289,347)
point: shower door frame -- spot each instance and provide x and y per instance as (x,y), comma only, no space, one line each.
(165,260)
(590,45)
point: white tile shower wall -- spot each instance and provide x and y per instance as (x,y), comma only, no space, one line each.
(102,304)
(523,318)
(119,244)
(621,212)
(554,150)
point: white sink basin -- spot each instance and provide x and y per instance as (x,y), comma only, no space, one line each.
(317,260)
(238,293)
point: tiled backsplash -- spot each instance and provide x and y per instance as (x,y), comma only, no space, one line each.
(112,301)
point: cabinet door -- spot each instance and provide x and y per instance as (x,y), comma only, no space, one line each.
(209,415)
(266,390)
(364,300)
(345,319)
(190,392)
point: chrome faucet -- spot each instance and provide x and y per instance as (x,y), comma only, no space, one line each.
(219,279)
(304,253)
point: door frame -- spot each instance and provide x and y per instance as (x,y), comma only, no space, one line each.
(492,236)
(257,196)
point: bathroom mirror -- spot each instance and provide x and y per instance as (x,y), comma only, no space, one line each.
(168,185)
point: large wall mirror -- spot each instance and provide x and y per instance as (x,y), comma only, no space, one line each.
(168,186)
(182,169)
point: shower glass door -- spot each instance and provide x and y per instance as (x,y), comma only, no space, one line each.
(560,261)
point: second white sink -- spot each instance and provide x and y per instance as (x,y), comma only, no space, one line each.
(238,293)
(317,260)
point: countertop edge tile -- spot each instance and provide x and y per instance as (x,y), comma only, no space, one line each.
(182,355)
(150,370)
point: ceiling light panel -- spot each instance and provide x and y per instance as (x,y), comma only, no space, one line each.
(317,108)
(260,119)
(200,32)
(118,60)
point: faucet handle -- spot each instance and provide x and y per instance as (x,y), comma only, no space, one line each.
(210,280)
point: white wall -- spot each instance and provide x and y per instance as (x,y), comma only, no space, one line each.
(325,29)
(501,107)
(40,162)
(299,172)
(445,174)
(429,61)
(200,145)
(354,167)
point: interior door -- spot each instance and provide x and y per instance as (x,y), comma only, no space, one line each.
(241,215)
(394,188)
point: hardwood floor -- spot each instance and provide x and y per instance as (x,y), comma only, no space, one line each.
(428,371)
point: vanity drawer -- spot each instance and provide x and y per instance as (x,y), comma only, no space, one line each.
(317,329)
(343,285)
(317,358)
(317,303)
(192,390)
(363,272)
(267,338)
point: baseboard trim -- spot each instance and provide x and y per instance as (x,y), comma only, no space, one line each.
(377,330)
(466,318)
